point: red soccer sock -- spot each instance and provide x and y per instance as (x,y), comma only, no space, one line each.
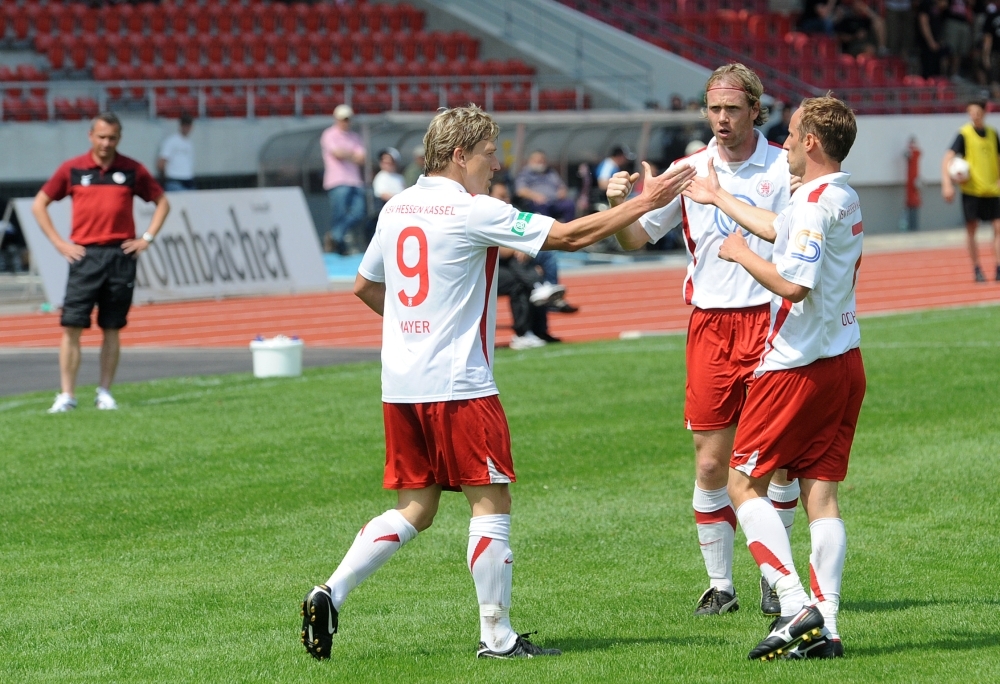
(826,567)
(769,546)
(372,547)
(491,564)
(716,522)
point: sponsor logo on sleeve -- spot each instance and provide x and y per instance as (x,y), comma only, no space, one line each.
(521,223)
(807,246)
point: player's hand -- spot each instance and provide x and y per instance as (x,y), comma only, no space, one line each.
(705,189)
(733,246)
(661,190)
(948,192)
(794,182)
(71,252)
(522,258)
(135,247)
(620,187)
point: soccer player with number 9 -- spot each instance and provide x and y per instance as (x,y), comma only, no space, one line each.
(430,272)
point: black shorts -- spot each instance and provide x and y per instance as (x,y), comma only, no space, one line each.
(980,208)
(105,277)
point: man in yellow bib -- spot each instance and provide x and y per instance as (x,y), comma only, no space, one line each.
(980,146)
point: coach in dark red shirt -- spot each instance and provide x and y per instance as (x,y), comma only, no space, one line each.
(102,249)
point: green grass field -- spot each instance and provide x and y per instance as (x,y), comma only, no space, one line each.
(173,540)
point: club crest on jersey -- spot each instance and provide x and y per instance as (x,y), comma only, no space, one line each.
(523,219)
(765,188)
(808,245)
(726,225)
(85,179)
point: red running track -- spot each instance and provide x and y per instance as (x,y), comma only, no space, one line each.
(610,302)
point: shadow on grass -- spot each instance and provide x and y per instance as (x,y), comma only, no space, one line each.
(955,641)
(905,604)
(576,645)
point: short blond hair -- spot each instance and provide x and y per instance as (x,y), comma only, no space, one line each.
(461,127)
(741,78)
(832,122)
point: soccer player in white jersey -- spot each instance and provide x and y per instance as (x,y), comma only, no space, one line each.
(430,272)
(802,409)
(730,317)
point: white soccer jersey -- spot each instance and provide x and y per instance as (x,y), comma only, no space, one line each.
(435,248)
(818,245)
(711,283)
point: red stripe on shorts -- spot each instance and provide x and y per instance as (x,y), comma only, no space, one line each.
(779,320)
(763,556)
(726,514)
(480,547)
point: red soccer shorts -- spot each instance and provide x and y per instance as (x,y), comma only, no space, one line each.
(802,419)
(450,443)
(723,349)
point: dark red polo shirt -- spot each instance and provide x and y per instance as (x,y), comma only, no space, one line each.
(102,198)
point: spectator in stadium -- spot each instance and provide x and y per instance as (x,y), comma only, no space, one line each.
(388,182)
(415,168)
(931,16)
(731,313)
(614,163)
(957,35)
(676,103)
(429,274)
(176,160)
(859,28)
(979,145)
(991,47)
(102,249)
(520,279)
(343,156)
(542,190)
(778,132)
(899,27)
(817,16)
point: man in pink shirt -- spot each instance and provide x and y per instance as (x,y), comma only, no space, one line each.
(343,155)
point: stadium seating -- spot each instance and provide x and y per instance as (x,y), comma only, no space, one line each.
(793,64)
(382,50)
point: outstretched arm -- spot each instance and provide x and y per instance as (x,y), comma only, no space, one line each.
(707,190)
(657,191)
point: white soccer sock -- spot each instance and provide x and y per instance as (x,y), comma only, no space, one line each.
(769,546)
(826,567)
(491,562)
(374,545)
(785,498)
(716,522)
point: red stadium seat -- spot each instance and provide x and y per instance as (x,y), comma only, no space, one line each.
(62,19)
(308,17)
(211,47)
(177,19)
(278,47)
(264,18)
(243,18)
(303,51)
(413,18)
(142,48)
(190,48)
(20,23)
(329,16)
(286,20)
(66,109)
(198,18)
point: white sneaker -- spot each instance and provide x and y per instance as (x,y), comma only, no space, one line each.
(63,403)
(546,293)
(104,401)
(528,340)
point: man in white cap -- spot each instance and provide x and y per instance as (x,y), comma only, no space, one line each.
(343,156)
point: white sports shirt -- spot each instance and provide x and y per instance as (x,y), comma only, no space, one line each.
(711,283)
(435,248)
(179,153)
(818,245)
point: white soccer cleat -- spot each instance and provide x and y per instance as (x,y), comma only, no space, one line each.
(104,401)
(544,294)
(528,340)
(63,403)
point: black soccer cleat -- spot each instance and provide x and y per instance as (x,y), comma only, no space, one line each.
(978,274)
(319,622)
(786,632)
(769,603)
(522,648)
(824,646)
(716,602)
